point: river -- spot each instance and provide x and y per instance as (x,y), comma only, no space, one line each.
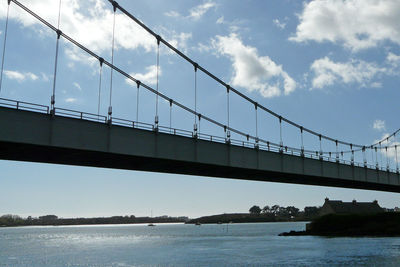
(188,245)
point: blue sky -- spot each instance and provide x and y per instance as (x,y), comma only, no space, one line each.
(332,66)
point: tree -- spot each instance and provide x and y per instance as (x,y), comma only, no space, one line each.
(266,209)
(283,212)
(255,210)
(293,211)
(275,209)
(311,211)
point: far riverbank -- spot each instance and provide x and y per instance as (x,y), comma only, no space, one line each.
(11,221)
(245,218)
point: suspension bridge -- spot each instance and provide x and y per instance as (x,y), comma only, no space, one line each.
(52,134)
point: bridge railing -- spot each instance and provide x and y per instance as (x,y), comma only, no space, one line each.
(131,124)
(8,103)
(79,115)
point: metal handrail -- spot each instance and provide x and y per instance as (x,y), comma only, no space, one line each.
(24,105)
(79,114)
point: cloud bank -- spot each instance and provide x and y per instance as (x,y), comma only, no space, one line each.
(252,71)
(356,24)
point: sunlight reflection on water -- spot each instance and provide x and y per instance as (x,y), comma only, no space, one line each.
(188,245)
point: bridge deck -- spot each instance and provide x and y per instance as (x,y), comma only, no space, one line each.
(37,137)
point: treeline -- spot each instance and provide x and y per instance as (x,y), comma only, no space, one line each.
(286,213)
(15,220)
(274,213)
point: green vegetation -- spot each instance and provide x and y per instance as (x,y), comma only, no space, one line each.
(255,210)
(11,220)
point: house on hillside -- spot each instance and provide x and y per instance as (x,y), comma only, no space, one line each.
(340,207)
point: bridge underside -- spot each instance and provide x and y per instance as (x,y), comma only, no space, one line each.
(36,137)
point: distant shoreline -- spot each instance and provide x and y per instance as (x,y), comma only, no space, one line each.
(244,218)
(52,220)
(93,225)
(135,224)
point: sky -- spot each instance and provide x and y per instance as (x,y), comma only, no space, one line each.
(331,66)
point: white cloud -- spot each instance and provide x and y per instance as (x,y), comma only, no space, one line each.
(357,24)
(14,75)
(195,13)
(71,100)
(393,59)
(198,11)
(234,28)
(328,72)
(203,47)
(92,27)
(76,55)
(45,77)
(31,76)
(149,78)
(279,24)
(376,85)
(178,40)
(20,76)
(77,86)
(220,20)
(172,13)
(251,71)
(379,125)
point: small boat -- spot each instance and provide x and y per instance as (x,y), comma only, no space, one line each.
(151,216)
(198,223)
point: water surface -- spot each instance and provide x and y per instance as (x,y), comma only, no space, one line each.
(188,245)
